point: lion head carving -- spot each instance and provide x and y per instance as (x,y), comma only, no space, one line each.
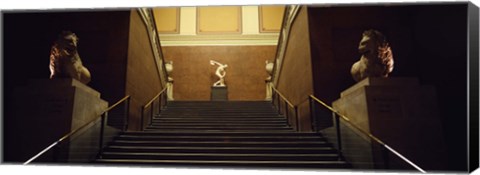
(65,61)
(376,59)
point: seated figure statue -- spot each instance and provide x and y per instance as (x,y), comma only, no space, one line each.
(65,61)
(376,59)
(220,72)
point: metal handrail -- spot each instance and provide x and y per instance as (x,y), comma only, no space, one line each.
(346,119)
(279,42)
(155,97)
(78,129)
(155,42)
(149,103)
(287,102)
(283,97)
(159,44)
(289,15)
(287,21)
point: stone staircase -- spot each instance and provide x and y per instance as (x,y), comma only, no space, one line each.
(231,134)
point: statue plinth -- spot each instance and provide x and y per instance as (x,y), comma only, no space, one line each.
(48,109)
(219,93)
(63,99)
(400,112)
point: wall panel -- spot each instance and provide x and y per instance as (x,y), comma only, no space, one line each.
(167,20)
(270,18)
(219,20)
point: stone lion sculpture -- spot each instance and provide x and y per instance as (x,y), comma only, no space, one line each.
(376,59)
(65,61)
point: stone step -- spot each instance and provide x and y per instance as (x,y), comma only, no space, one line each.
(160,124)
(229,134)
(215,163)
(213,122)
(220,143)
(238,150)
(219,156)
(215,118)
(217,127)
(217,138)
(214,113)
(221,133)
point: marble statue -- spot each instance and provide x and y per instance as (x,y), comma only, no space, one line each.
(65,61)
(269,69)
(220,72)
(169,69)
(376,59)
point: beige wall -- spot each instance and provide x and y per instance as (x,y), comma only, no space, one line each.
(193,75)
(142,82)
(295,77)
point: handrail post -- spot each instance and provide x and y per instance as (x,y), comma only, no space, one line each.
(160,100)
(165,99)
(286,113)
(312,114)
(142,118)
(273,101)
(386,162)
(339,135)
(102,129)
(56,153)
(126,117)
(297,125)
(151,114)
(278,103)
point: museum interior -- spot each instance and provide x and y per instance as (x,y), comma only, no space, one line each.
(376,87)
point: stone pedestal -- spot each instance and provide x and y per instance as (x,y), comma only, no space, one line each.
(66,99)
(268,89)
(47,109)
(400,112)
(170,89)
(219,93)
